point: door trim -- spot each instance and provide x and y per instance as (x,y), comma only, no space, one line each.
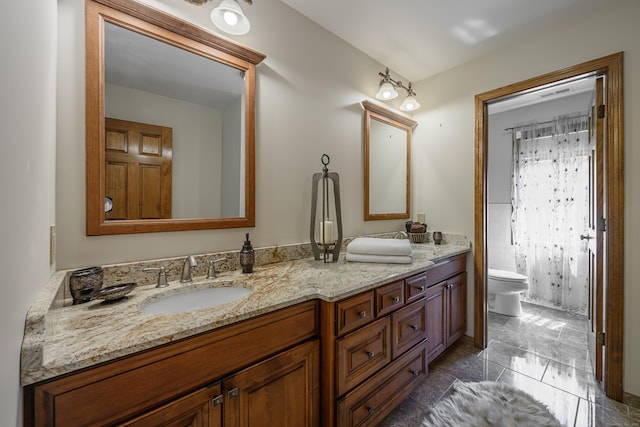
(611,67)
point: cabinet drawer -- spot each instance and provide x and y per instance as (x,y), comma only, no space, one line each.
(415,287)
(370,402)
(446,268)
(354,312)
(389,297)
(362,353)
(409,327)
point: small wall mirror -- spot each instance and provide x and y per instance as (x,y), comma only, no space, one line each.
(170,123)
(387,163)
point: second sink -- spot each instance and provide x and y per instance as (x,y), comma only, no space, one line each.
(195,300)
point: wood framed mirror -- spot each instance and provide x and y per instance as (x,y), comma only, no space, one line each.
(170,123)
(387,163)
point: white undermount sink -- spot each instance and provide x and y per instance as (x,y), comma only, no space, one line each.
(194,300)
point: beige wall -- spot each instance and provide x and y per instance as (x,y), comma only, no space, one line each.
(27,177)
(444,140)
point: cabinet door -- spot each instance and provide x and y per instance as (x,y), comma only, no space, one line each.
(192,410)
(282,391)
(457,305)
(436,320)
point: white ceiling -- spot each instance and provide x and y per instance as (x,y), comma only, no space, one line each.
(416,39)
(420,38)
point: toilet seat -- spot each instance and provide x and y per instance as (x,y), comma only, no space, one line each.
(506,276)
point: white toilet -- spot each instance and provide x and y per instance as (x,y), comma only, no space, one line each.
(504,290)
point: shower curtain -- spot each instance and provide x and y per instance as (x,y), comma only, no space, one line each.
(550,188)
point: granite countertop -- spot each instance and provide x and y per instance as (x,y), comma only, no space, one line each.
(61,338)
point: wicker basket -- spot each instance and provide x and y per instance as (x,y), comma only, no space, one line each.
(418,237)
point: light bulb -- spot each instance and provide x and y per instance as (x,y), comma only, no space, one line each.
(386,92)
(230,18)
(410,103)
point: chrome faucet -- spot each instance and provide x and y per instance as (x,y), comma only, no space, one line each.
(189,262)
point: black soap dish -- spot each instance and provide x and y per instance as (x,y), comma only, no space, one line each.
(111,294)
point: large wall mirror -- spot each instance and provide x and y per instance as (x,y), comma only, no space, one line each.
(387,163)
(170,123)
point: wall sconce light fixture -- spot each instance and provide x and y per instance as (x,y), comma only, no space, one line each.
(228,16)
(388,92)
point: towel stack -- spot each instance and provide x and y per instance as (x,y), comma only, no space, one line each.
(387,251)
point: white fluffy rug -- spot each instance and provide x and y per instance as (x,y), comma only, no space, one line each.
(486,404)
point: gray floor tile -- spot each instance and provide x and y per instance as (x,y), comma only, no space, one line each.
(592,415)
(516,359)
(544,353)
(563,405)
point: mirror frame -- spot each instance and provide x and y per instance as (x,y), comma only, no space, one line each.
(157,24)
(376,112)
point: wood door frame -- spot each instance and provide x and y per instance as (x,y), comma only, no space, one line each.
(611,67)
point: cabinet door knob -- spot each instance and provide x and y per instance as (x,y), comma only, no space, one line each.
(371,410)
(416,373)
(421,288)
(414,327)
(396,299)
(370,354)
(362,314)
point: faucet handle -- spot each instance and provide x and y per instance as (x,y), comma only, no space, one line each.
(162,276)
(212,267)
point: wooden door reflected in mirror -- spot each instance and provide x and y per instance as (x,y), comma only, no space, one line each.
(387,163)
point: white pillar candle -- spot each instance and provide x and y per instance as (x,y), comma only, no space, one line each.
(326,232)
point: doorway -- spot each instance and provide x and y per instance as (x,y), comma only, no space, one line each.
(611,299)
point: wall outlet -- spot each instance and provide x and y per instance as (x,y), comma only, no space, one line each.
(52,244)
(421,218)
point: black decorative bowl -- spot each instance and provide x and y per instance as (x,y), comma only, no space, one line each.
(84,283)
(111,294)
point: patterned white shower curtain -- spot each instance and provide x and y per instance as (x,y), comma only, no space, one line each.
(550,187)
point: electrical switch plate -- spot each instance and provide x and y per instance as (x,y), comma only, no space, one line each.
(52,244)
(421,218)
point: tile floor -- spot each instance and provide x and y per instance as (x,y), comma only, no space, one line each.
(544,353)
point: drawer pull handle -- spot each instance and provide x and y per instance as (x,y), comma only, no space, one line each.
(370,354)
(234,392)
(416,373)
(371,410)
(421,288)
(414,327)
(217,401)
(396,299)
(362,314)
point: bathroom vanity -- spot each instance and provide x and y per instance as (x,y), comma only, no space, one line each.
(327,344)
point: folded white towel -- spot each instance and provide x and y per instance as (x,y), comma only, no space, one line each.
(377,246)
(382,259)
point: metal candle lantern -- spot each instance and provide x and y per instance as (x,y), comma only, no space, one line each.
(327,244)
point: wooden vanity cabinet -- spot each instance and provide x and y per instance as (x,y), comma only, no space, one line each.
(261,371)
(373,351)
(446,305)
(370,363)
